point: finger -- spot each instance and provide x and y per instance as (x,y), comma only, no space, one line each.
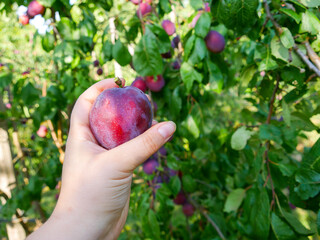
(80,112)
(131,154)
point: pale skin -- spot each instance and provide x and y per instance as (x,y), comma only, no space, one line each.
(96,183)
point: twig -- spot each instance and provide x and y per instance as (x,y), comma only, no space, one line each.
(312,54)
(56,140)
(279,30)
(311,77)
(210,220)
(272,100)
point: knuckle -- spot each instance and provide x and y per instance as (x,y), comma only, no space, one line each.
(150,145)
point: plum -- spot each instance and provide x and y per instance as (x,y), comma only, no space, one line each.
(169,27)
(24,19)
(176,65)
(175,42)
(140,83)
(188,209)
(155,85)
(119,115)
(180,199)
(215,42)
(42,131)
(136,2)
(144,9)
(150,166)
(99,71)
(35,8)
(207,7)
(166,55)
(96,63)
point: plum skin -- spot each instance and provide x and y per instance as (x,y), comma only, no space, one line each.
(188,209)
(150,166)
(169,27)
(155,85)
(140,83)
(144,9)
(119,115)
(215,42)
(35,8)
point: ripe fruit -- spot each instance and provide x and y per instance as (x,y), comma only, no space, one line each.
(207,7)
(119,115)
(215,42)
(24,19)
(169,27)
(150,166)
(42,131)
(135,2)
(140,83)
(155,85)
(144,9)
(176,65)
(8,106)
(96,63)
(166,55)
(99,71)
(180,199)
(25,73)
(35,8)
(175,42)
(188,209)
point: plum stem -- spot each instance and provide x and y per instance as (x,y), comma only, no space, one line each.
(118,81)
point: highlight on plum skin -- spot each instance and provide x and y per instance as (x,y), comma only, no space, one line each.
(119,115)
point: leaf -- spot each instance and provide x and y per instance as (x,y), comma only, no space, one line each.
(297,3)
(46,3)
(311,3)
(48,42)
(189,185)
(286,38)
(161,37)
(296,224)
(5,79)
(281,230)
(165,6)
(189,46)
(29,94)
(175,184)
(154,224)
(199,51)
(65,28)
(240,15)
(196,4)
(306,191)
(245,77)
(239,138)
(189,75)
(121,54)
(192,127)
(270,132)
(309,23)
(106,51)
(318,222)
(292,14)
(147,60)
(215,76)
(234,200)
(256,213)
(307,176)
(286,113)
(203,25)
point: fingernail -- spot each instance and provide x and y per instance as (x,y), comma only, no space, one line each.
(167,129)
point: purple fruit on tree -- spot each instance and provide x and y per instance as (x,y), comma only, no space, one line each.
(150,166)
(215,42)
(155,85)
(96,63)
(175,42)
(99,71)
(35,8)
(188,209)
(180,199)
(140,83)
(143,9)
(169,27)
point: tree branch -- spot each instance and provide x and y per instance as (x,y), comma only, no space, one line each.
(279,31)
(273,98)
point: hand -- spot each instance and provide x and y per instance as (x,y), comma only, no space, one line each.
(95,192)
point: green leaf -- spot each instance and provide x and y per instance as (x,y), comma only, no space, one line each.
(199,51)
(196,4)
(48,42)
(239,138)
(297,3)
(309,23)
(281,230)
(65,28)
(292,14)
(121,54)
(246,76)
(234,200)
(29,94)
(286,38)
(286,113)
(165,6)
(189,185)
(154,221)
(296,224)
(203,25)
(306,191)
(215,76)
(307,176)
(147,59)
(189,75)
(176,102)
(162,38)
(189,46)
(46,3)
(256,213)
(311,3)
(191,126)
(5,79)
(318,222)
(106,51)
(175,185)
(240,15)
(270,132)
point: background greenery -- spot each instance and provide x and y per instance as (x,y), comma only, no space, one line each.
(247,118)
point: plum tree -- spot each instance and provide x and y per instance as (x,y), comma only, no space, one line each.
(215,42)
(140,83)
(35,8)
(119,115)
(169,27)
(155,85)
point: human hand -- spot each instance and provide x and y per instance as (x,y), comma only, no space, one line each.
(95,192)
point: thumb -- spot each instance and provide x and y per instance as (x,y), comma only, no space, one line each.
(131,154)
